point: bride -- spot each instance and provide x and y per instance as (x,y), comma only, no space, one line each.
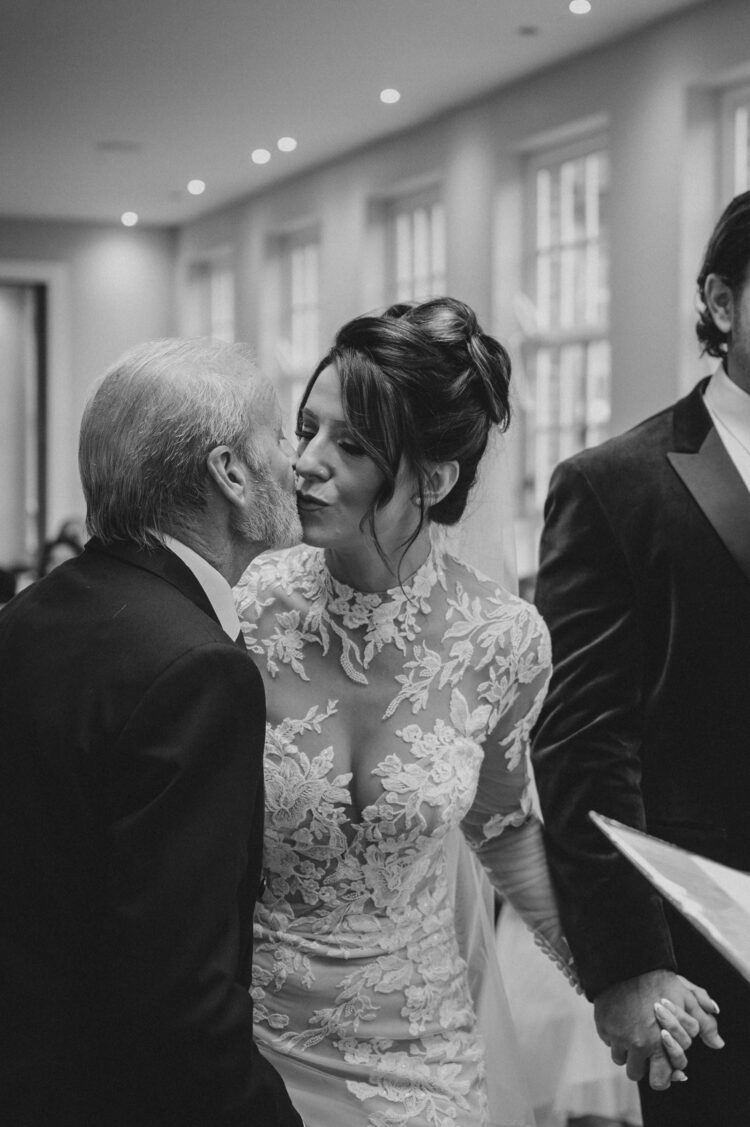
(401,688)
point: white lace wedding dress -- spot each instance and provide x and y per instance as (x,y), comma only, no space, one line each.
(363,998)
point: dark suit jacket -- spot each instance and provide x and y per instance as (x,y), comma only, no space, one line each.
(644,582)
(131,817)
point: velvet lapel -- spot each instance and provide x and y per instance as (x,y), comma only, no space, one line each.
(709,474)
(161,562)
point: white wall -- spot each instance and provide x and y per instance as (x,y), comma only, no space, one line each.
(110,289)
(652,88)
(657,91)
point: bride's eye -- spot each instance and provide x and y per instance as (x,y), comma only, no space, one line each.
(352,448)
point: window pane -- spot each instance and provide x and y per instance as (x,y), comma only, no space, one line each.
(544,290)
(418,233)
(543,209)
(297,347)
(567,316)
(438,246)
(222,303)
(741,149)
(568,358)
(598,396)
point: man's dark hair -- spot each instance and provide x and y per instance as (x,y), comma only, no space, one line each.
(728,256)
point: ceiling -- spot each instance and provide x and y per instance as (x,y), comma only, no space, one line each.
(110,105)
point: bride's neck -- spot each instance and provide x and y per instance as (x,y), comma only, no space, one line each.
(365,570)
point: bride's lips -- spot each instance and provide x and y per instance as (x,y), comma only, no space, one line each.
(309,504)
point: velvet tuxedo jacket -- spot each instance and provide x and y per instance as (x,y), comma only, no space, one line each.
(644,582)
(131,819)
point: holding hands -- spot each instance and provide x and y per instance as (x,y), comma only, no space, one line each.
(650,1021)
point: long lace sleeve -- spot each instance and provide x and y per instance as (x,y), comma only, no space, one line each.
(501,826)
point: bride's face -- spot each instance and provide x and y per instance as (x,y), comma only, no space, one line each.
(337,481)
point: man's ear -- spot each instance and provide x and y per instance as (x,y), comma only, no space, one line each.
(229,475)
(440,480)
(719,302)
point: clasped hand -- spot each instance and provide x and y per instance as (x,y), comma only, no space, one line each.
(650,1021)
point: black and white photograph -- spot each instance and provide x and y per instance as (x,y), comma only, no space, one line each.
(374,563)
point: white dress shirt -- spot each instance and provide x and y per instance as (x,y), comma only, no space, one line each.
(218,591)
(729,407)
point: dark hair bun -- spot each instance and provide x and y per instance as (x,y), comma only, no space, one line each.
(482,366)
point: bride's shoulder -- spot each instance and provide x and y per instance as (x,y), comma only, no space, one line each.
(279,575)
(488,597)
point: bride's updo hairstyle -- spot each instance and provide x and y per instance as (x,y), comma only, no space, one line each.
(422,382)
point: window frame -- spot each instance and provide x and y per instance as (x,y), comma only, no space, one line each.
(212,295)
(291,370)
(733,154)
(583,423)
(406,207)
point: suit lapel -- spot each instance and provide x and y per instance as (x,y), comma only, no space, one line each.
(711,478)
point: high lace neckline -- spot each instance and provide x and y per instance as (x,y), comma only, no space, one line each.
(414,588)
(387,617)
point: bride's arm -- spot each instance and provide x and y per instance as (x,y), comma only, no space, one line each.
(501,825)
(505,833)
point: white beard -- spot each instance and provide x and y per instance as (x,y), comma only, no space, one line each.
(274,520)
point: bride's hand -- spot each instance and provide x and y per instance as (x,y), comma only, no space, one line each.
(709,1032)
(679,1026)
(674,1035)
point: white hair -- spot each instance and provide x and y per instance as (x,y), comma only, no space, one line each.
(149,425)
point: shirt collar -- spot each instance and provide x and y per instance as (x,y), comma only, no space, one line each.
(730,402)
(218,591)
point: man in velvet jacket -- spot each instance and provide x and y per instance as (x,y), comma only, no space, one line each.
(645,585)
(131,736)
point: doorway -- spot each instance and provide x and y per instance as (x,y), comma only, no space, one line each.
(23,422)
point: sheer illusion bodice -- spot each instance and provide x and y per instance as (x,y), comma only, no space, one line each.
(393,718)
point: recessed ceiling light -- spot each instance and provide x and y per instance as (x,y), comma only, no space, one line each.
(129,218)
(579,7)
(286,144)
(196,187)
(260,156)
(389,96)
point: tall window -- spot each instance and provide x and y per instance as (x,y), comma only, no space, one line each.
(737,139)
(416,248)
(567,359)
(211,298)
(298,339)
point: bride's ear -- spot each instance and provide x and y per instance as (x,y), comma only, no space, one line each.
(440,480)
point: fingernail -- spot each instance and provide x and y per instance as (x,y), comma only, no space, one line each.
(715,1006)
(719,1041)
(667,1036)
(666,1002)
(680,1077)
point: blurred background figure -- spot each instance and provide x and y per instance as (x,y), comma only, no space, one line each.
(74,529)
(62,545)
(56,551)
